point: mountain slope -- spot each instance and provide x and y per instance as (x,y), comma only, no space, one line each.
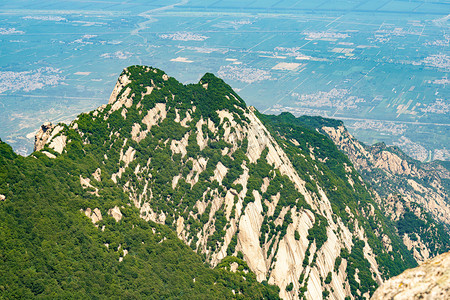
(231,182)
(270,198)
(414,195)
(49,248)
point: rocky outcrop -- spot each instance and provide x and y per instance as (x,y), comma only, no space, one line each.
(95,215)
(58,143)
(127,158)
(42,136)
(118,97)
(115,213)
(50,135)
(97,174)
(431,280)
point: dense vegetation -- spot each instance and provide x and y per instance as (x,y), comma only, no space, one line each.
(48,248)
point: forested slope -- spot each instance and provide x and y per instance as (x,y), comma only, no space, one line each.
(48,248)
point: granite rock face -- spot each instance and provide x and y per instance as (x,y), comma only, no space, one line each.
(403,186)
(431,280)
(42,136)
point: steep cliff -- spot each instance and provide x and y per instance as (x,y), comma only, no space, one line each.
(232,182)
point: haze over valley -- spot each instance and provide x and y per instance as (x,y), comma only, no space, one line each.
(381,67)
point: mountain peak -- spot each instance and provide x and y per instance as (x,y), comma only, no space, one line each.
(270,190)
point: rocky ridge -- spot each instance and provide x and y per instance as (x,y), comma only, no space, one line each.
(419,183)
(403,185)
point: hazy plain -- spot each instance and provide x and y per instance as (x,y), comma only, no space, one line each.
(381,66)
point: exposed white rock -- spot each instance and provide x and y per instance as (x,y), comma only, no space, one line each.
(419,249)
(187,119)
(148,91)
(97,174)
(272,204)
(136,134)
(416,186)
(368,254)
(393,163)
(234,267)
(46,135)
(265,184)
(177,115)
(291,253)
(57,129)
(180,229)
(124,113)
(211,126)
(231,231)
(232,130)
(58,143)
(229,203)
(199,165)
(124,99)
(148,214)
(242,180)
(220,172)
(122,81)
(2,197)
(95,215)
(155,115)
(115,213)
(85,182)
(248,238)
(127,158)
(175,181)
(49,155)
(295,142)
(42,136)
(201,141)
(180,146)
